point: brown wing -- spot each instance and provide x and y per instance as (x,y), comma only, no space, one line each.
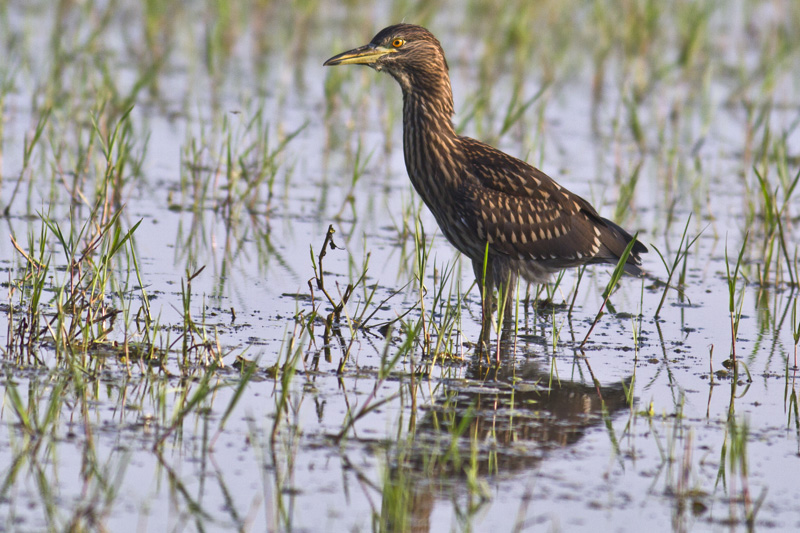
(524,214)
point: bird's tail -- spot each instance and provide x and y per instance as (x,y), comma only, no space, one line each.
(615,240)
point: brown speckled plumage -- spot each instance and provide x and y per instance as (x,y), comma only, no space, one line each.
(479,195)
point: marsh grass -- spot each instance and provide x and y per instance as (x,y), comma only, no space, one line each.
(734,309)
(773,211)
(680,258)
(82,314)
(439,323)
(446,316)
(791,403)
(27,153)
(388,363)
(795,325)
(359,167)
(734,465)
(87,335)
(283,374)
(234,167)
(35,454)
(337,304)
(92,307)
(616,275)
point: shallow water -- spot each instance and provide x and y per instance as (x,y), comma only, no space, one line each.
(637,430)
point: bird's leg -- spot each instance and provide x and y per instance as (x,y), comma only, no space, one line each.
(505,295)
(484,277)
(487,311)
(487,283)
(506,292)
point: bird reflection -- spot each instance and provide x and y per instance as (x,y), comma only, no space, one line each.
(498,421)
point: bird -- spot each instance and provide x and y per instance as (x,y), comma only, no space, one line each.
(507,216)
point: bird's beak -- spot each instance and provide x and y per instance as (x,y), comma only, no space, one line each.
(365,55)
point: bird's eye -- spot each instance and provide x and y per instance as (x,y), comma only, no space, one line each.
(397,43)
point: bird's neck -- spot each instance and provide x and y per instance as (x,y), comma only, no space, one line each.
(428,102)
(430,144)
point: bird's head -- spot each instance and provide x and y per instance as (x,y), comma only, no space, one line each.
(411,54)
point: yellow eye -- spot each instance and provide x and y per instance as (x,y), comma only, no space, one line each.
(397,43)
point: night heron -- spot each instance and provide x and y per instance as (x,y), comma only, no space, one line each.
(507,216)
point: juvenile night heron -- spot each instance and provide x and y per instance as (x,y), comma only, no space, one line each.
(508,217)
